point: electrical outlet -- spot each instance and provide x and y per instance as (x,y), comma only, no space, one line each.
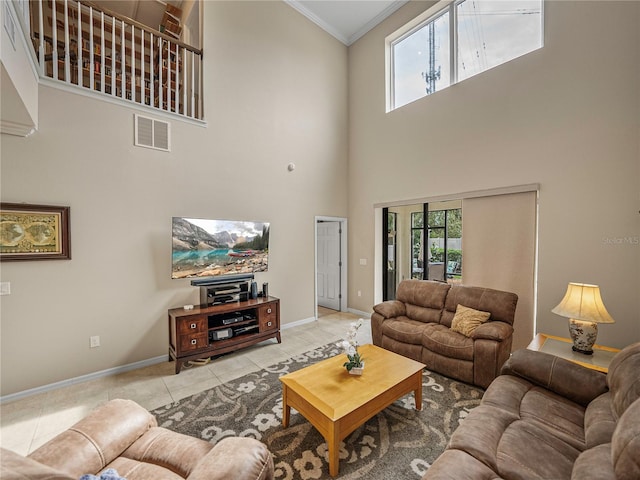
(359,293)
(94,341)
(5,288)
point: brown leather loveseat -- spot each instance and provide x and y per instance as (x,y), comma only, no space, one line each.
(418,325)
(123,436)
(549,418)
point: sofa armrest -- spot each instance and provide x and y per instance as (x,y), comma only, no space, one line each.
(390,308)
(93,442)
(235,457)
(16,467)
(568,379)
(498,331)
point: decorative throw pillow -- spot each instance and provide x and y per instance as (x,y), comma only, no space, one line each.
(466,320)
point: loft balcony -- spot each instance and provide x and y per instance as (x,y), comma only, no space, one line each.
(82,45)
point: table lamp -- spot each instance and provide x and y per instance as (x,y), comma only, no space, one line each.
(583,305)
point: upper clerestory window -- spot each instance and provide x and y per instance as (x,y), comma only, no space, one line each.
(455,40)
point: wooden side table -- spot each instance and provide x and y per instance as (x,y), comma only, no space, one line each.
(561,347)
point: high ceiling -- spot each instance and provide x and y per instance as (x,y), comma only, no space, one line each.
(346,20)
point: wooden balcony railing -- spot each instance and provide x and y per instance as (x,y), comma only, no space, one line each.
(80,44)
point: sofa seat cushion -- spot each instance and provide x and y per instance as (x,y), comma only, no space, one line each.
(135,470)
(526,451)
(599,421)
(160,446)
(594,464)
(404,330)
(458,465)
(444,341)
(513,448)
(559,417)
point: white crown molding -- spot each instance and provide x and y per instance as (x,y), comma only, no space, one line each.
(17,129)
(330,29)
(317,20)
(376,20)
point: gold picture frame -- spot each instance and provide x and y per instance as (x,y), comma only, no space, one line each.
(34,232)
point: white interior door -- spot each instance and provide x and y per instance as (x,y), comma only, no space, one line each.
(328,268)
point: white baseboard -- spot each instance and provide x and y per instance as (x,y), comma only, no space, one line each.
(84,378)
(131,366)
(297,323)
(359,313)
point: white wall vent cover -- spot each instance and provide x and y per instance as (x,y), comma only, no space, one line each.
(151,133)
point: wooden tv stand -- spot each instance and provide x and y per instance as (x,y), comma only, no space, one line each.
(192,332)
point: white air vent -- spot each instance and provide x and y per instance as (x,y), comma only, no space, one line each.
(152,133)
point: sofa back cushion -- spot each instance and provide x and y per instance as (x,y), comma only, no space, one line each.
(501,305)
(625,444)
(16,467)
(623,379)
(424,299)
(92,443)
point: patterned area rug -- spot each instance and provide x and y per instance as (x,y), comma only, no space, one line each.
(399,442)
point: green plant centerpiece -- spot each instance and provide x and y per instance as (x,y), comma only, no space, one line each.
(354,363)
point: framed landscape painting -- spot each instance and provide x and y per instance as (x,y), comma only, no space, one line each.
(34,232)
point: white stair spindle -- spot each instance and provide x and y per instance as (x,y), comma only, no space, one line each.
(132,83)
(102,62)
(142,83)
(169,93)
(91,58)
(67,58)
(161,90)
(80,54)
(176,93)
(151,79)
(54,27)
(113,56)
(192,89)
(41,36)
(184,81)
(123,63)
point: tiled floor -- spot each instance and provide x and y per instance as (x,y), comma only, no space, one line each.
(27,423)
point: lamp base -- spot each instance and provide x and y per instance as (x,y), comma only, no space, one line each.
(583,334)
(584,352)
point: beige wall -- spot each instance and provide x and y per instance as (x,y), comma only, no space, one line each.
(276,93)
(499,245)
(566,116)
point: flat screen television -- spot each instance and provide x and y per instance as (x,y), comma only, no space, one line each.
(210,248)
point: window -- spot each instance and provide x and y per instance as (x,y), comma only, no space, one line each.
(421,241)
(456,40)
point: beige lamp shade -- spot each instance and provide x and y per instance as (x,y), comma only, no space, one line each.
(583,302)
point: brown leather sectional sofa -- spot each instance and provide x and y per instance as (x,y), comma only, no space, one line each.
(417,325)
(122,435)
(548,418)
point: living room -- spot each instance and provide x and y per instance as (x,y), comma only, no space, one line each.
(280,90)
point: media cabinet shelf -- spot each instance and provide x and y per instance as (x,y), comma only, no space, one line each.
(191,332)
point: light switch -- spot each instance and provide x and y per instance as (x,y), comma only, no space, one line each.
(5,288)
(363,261)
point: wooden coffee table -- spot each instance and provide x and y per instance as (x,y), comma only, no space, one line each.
(337,403)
